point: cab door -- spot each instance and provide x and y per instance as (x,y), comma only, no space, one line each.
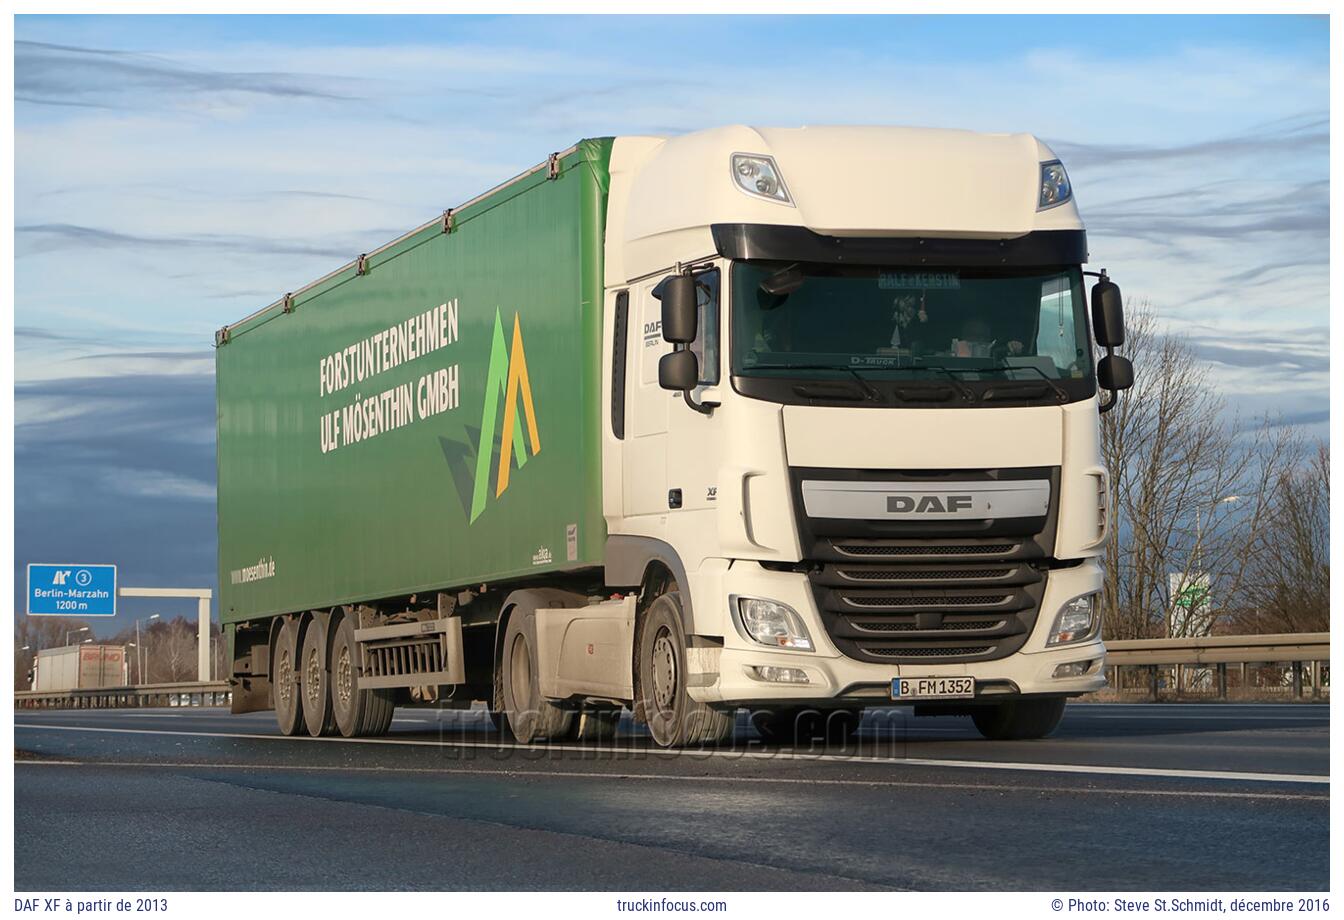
(644,472)
(695,439)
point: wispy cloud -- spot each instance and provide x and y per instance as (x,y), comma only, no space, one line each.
(68,75)
(1298,135)
(1264,358)
(38,238)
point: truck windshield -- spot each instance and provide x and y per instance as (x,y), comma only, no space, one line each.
(908,324)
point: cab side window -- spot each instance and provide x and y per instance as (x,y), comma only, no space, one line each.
(706,344)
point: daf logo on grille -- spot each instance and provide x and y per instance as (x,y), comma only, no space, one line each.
(927,504)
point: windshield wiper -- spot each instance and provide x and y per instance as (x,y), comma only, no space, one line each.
(868,389)
(961,388)
(1059,390)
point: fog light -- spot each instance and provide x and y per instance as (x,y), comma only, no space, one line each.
(1073,669)
(782,675)
(1076,621)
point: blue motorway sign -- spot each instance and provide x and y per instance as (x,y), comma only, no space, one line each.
(72,590)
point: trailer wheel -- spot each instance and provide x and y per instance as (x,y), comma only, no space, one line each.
(530,717)
(1019,720)
(316,682)
(285,689)
(357,711)
(674,719)
(791,725)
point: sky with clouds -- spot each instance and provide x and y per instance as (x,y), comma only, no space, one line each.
(174,174)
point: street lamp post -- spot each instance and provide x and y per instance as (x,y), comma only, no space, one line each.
(71,632)
(139,652)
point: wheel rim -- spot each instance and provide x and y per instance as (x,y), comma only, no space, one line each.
(284,689)
(520,673)
(345,677)
(312,683)
(664,671)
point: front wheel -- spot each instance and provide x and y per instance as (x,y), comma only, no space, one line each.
(1019,720)
(675,720)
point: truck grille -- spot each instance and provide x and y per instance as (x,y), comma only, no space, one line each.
(933,651)
(946,625)
(928,590)
(872,548)
(887,573)
(944,600)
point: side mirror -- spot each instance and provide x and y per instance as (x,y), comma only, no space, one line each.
(680,311)
(678,370)
(1108,314)
(1114,372)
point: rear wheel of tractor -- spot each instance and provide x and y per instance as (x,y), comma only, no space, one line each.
(316,683)
(284,689)
(675,720)
(530,717)
(357,711)
(1019,720)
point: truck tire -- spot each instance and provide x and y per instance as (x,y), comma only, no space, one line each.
(674,719)
(529,716)
(316,682)
(285,690)
(795,725)
(1019,720)
(358,712)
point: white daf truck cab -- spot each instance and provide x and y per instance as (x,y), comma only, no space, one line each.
(853,408)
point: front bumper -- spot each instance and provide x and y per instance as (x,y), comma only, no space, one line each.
(728,675)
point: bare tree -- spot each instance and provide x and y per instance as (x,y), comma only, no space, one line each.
(1188,490)
(1287,572)
(171,652)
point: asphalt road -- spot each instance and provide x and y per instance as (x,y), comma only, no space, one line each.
(1123,797)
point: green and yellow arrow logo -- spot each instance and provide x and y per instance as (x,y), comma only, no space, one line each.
(507,378)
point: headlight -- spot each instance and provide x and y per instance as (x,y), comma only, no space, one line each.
(773,624)
(758,175)
(1077,620)
(1055,186)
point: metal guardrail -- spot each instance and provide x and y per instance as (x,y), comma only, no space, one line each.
(1157,656)
(1306,654)
(187,693)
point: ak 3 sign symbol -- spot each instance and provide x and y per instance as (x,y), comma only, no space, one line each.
(507,377)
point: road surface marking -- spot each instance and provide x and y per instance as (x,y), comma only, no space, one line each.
(1021,766)
(673,777)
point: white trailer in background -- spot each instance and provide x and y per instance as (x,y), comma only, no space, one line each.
(80,667)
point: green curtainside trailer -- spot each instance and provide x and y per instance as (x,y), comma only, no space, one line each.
(426,419)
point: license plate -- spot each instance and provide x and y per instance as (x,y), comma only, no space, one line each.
(932,688)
